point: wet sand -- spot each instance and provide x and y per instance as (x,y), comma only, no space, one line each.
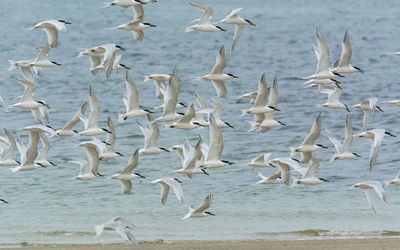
(330,244)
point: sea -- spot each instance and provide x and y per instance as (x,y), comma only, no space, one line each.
(48,206)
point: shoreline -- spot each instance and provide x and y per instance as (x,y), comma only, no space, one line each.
(387,243)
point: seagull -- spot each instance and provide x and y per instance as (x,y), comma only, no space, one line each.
(333,98)
(307,147)
(110,55)
(376,136)
(8,151)
(217,75)
(151,135)
(217,115)
(29,154)
(204,21)
(394,102)
(185,122)
(343,150)
(261,161)
(137,25)
(199,118)
(95,56)
(127,3)
(27,101)
(214,151)
(259,104)
(67,129)
(25,67)
(273,179)
(92,123)
(190,157)
(3,201)
(369,187)
(171,99)
(107,149)
(119,224)
(323,56)
(159,81)
(286,165)
(200,211)
(41,60)
(131,100)
(368,106)
(308,177)
(41,159)
(322,83)
(342,65)
(52,27)
(166,183)
(396,180)
(233,18)
(126,175)
(89,169)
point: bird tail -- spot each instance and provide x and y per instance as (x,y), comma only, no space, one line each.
(106,5)
(12,65)
(253,126)
(121,118)
(98,229)
(387,183)
(292,151)
(295,182)
(188,29)
(146,79)
(244,112)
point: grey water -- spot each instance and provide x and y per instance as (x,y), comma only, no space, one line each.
(47,206)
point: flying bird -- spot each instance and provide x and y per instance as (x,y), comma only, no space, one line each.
(200,211)
(369,187)
(51,27)
(166,183)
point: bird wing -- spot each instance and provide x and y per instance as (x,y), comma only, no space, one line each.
(313,168)
(335,142)
(176,186)
(238,32)
(220,63)
(348,140)
(276,175)
(11,146)
(314,132)
(127,223)
(202,103)
(126,186)
(273,95)
(345,57)
(285,173)
(93,156)
(380,191)
(21,150)
(122,230)
(146,133)
(93,121)
(138,34)
(379,134)
(94,63)
(85,168)
(189,115)
(45,147)
(133,162)
(44,50)
(261,92)
(109,57)
(207,12)
(155,133)
(216,140)
(110,136)
(164,192)
(370,198)
(27,73)
(171,96)
(206,204)
(76,119)
(325,55)
(138,12)
(220,88)
(28,92)
(52,36)
(233,13)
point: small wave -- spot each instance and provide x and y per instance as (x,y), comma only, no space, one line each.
(321,232)
(65,233)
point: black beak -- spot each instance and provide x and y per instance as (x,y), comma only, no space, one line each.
(106,130)
(56,63)
(271,165)
(379,108)
(166,150)
(271,107)
(336,74)
(204,171)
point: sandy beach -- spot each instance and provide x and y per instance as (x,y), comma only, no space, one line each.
(331,244)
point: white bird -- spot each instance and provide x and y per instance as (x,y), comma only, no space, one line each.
(110,55)
(322,83)
(137,26)
(107,149)
(159,81)
(25,67)
(51,27)
(131,100)
(190,157)
(308,177)
(41,60)
(307,147)
(376,136)
(200,212)
(273,179)
(261,161)
(212,158)
(119,224)
(324,56)
(171,99)
(217,75)
(233,18)
(396,180)
(85,172)
(199,117)
(127,3)
(42,157)
(217,115)
(92,123)
(126,175)
(342,65)
(89,169)
(166,183)
(186,121)
(204,21)
(8,151)
(368,107)
(286,165)
(3,201)
(29,154)
(262,92)
(27,101)
(369,187)
(67,130)
(394,102)
(343,150)
(151,135)
(333,98)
